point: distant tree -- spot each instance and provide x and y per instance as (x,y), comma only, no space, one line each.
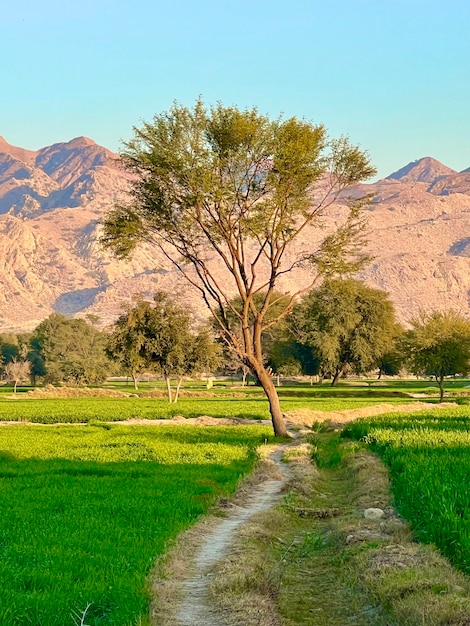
(438,345)
(390,363)
(158,336)
(236,186)
(126,341)
(348,325)
(9,347)
(72,350)
(17,371)
(290,358)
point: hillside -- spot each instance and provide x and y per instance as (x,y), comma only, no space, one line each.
(52,201)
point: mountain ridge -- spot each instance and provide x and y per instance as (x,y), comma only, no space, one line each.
(52,202)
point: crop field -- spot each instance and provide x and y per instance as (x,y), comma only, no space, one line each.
(248,405)
(85,510)
(428,455)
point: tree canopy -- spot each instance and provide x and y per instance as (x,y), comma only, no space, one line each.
(70,350)
(158,336)
(348,325)
(238,187)
(438,345)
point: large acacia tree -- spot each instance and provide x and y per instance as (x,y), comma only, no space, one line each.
(236,186)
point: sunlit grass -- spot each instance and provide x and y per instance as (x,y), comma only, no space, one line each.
(86,510)
(428,455)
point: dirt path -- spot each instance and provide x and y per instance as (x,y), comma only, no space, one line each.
(194,608)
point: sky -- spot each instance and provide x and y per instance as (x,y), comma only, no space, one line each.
(392,75)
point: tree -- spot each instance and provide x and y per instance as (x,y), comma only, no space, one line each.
(126,340)
(158,336)
(272,333)
(348,325)
(438,345)
(71,350)
(17,371)
(290,358)
(238,187)
(391,362)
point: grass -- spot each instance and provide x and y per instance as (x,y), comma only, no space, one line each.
(250,406)
(316,559)
(429,461)
(86,510)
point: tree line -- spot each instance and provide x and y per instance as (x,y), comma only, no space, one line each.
(340,328)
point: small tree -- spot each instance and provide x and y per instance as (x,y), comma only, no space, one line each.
(17,371)
(240,188)
(438,345)
(348,325)
(126,340)
(158,336)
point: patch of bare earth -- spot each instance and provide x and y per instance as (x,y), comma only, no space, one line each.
(308,417)
(181,584)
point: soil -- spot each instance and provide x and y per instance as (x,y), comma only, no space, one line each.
(194,607)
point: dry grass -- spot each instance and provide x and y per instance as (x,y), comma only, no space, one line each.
(340,568)
(316,559)
(49,391)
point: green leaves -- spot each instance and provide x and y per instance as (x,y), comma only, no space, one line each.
(438,345)
(238,188)
(346,323)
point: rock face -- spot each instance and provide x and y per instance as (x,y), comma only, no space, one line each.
(52,201)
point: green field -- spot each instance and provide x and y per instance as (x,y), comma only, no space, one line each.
(86,510)
(247,403)
(428,455)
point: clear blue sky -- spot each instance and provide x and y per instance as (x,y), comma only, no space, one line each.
(393,75)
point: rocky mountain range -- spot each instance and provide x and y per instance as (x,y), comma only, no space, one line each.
(52,201)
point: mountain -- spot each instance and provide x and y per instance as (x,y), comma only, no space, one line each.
(52,201)
(425,170)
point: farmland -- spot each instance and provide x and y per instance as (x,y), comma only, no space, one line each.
(85,511)
(87,505)
(428,456)
(246,403)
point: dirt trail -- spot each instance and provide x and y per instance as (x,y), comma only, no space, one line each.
(194,608)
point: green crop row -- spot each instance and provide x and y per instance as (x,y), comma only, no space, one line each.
(84,410)
(428,456)
(85,510)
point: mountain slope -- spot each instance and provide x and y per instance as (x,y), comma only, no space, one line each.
(52,201)
(425,170)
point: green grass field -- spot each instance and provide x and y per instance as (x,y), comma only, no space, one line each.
(428,455)
(86,510)
(224,401)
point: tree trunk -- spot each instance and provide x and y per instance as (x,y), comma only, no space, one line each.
(339,372)
(135,378)
(244,373)
(168,389)
(440,382)
(266,382)
(380,374)
(14,387)
(177,392)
